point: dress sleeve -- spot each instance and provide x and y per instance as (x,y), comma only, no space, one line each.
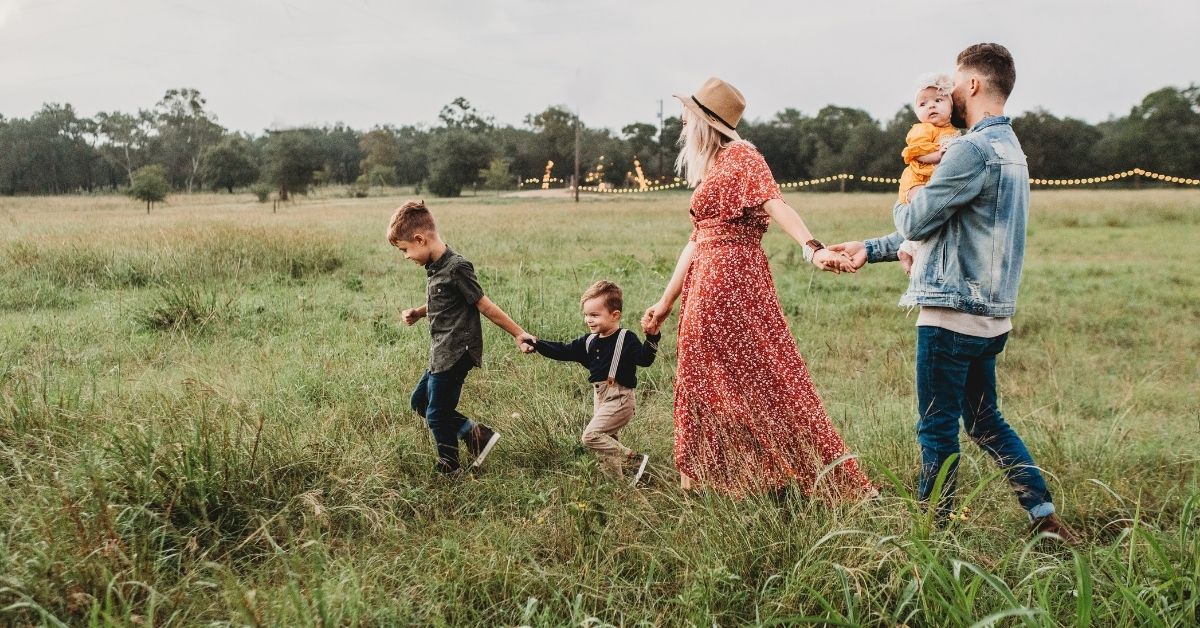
(921,140)
(751,185)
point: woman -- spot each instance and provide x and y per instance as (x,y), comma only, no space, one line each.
(747,417)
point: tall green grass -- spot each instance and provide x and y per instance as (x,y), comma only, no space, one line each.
(204,419)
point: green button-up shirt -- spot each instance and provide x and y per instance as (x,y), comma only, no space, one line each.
(450,299)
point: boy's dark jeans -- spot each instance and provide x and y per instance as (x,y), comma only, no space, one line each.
(436,398)
(956,377)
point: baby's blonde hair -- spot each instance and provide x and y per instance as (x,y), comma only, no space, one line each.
(941,82)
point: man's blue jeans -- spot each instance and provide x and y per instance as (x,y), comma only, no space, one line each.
(956,377)
(436,398)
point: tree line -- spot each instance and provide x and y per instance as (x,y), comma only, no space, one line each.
(178,144)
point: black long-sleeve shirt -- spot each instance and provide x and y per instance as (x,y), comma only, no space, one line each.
(635,353)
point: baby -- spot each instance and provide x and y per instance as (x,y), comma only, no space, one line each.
(926,141)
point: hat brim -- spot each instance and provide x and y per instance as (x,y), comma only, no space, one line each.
(714,123)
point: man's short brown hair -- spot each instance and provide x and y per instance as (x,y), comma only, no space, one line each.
(410,219)
(611,293)
(994,62)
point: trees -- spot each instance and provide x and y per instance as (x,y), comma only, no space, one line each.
(455,158)
(184,129)
(381,153)
(47,154)
(289,160)
(1162,134)
(229,164)
(497,175)
(55,151)
(412,165)
(458,150)
(340,154)
(1057,148)
(127,136)
(149,184)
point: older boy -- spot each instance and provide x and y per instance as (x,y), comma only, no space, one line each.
(454,301)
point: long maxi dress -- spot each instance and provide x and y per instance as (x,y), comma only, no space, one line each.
(747,416)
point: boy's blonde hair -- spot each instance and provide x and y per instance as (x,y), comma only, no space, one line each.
(410,219)
(613,301)
(943,83)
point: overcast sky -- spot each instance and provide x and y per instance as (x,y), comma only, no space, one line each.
(282,63)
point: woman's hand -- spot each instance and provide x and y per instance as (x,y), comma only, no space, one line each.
(833,261)
(653,319)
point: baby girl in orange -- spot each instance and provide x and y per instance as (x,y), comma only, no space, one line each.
(927,139)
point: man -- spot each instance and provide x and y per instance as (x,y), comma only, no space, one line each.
(970,221)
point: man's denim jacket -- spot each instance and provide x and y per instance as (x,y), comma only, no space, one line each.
(971,218)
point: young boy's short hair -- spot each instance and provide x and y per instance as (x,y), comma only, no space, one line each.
(410,219)
(611,292)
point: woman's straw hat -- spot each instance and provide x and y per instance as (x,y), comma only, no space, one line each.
(719,104)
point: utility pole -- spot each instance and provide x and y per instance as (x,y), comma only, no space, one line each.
(576,157)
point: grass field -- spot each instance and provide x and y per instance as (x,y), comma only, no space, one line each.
(203,419)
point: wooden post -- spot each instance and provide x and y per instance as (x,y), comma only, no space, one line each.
(576,158)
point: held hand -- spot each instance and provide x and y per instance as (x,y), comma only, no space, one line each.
(833,261)
(856,251)
(411,316)
(525,342)
(653,319)
(912,193)
(906,261)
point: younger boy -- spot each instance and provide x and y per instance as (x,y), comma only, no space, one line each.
(611,355)
(454,301)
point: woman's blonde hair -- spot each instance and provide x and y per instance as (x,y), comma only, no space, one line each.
(698,146)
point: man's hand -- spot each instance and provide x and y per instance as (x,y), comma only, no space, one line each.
(412,315)
(836,262)
(906,261)
(856,251)
(908,198)
(525,342)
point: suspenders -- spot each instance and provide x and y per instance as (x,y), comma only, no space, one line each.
(616,359)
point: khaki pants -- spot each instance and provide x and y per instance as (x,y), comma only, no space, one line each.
(613,411)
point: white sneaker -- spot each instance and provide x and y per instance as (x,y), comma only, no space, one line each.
(641,470)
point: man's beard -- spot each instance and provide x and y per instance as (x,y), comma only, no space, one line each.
(958,113)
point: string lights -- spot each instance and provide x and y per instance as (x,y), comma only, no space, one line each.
(1120,175)
(678,183)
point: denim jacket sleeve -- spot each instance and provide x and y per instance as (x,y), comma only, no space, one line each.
(883,248)
(957,180)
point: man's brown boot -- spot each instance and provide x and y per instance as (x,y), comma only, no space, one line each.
(1052,524)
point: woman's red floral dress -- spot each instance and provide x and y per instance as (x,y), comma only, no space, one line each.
(747,417)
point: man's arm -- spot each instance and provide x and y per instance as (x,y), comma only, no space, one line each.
(957,180)
(884,248)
